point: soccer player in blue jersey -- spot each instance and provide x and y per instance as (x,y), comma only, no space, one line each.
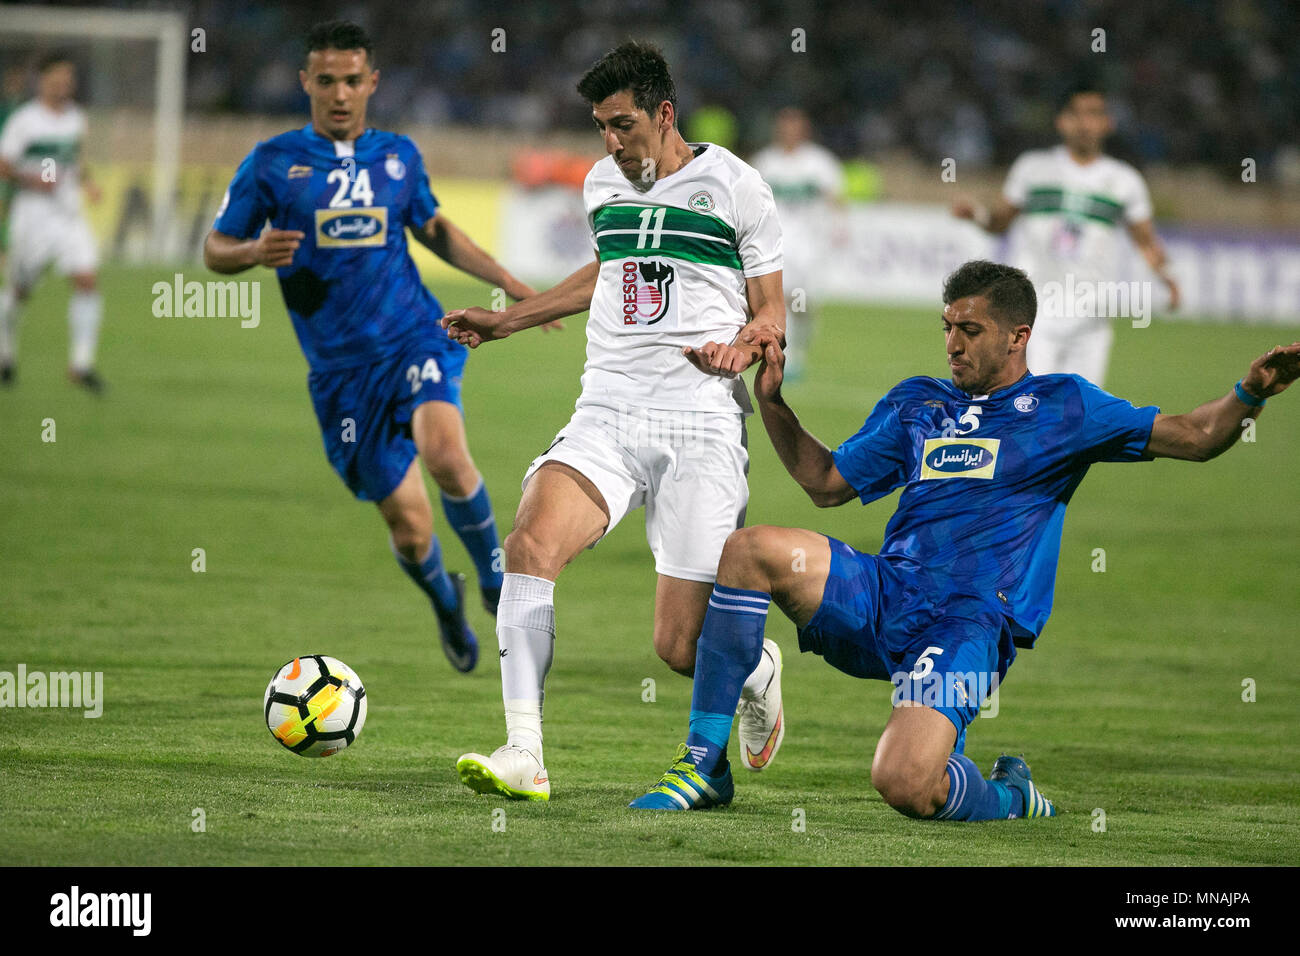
(987,463)
(385,378)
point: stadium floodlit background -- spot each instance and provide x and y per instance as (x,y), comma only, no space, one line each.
(1158,709)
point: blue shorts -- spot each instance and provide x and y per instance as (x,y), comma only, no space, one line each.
(365,411)
(943,650)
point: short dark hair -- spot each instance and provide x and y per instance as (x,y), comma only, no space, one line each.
(339,35)
(1008,290)
(54,58)
(1079,86)
(638,67)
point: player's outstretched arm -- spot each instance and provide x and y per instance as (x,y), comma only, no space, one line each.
(473,326)
(273,248)
(995,220)
(808,461)
(449,243)
(1153,251)
(1210,430)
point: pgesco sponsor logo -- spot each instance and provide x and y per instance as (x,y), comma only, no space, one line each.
(84,689)
(75,908)
(233,299)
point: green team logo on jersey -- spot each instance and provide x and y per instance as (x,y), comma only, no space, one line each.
(668,232)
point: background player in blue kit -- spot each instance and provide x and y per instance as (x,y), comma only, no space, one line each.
(385,378)
(988,462)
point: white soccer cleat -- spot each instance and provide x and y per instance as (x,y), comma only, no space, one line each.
(511,771)
(762,720)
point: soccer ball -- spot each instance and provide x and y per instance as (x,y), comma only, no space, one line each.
(315,706)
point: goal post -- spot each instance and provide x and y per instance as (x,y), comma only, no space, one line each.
(164,28)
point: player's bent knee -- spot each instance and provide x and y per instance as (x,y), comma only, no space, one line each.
(907,791)
(526,553)
(453,473)
(743,556)
(679,658)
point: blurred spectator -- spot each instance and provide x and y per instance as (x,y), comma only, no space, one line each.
(1189,81)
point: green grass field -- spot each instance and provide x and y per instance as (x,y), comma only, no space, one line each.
(1132,704)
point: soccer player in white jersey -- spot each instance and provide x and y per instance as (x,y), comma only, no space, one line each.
(808,185)
(688,256)
(40,152)
(1072,202)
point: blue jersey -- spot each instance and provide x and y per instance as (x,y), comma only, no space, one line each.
(986,479)
(352,290)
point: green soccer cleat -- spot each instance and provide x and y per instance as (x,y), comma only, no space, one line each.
(683,787)
(1014,772)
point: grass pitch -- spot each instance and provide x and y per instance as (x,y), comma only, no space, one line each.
(1132,706)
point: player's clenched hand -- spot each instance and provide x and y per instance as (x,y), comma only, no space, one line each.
(275,247)
(474,326)
(760,333)
(1273,371)
(725,360)
(767,383)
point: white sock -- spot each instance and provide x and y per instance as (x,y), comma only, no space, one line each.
(756,683)
(526,638)
(84,314)
(8,325)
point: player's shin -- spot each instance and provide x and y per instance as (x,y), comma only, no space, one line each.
(971,797)
(526,637)
(729,649)
(8,325)
(85,312)
(430,576)
(472,519)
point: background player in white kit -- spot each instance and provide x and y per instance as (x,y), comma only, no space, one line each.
(808,185)
(688,255)
(40,152)
(1072,201)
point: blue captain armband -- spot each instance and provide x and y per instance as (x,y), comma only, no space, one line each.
(1246,398)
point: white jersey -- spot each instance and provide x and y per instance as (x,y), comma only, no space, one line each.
(674,258)
(805,182)
(35,134)
(804,177)
(1071,214)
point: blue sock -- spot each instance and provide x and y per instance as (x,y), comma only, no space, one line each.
(431,578)
(472,520)
(729,649)
(971,797)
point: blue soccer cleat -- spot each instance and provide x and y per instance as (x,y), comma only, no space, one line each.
(1014,772)
(458,641)
(683,787)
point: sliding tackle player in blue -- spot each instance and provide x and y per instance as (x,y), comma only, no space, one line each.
(385,378)
(987,463)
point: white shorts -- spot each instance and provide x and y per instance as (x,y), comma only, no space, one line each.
(37,240)
(687,468)
(1083,350)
